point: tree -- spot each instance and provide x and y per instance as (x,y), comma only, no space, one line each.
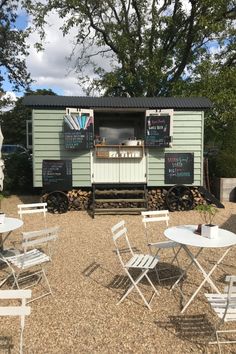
(150,46)
(14,122)
(13,48)
(218,83)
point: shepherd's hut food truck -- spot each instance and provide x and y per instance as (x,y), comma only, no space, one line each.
(125,153)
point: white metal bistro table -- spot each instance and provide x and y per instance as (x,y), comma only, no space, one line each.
(185,235)
(6,228)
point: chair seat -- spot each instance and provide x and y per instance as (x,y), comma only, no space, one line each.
(219,302)
(164,244)
(141,261)
(29,259)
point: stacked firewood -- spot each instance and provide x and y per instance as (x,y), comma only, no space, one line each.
(79,199)
(156,198)
(198,198)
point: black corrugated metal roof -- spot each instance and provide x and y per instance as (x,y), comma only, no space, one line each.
(117,102)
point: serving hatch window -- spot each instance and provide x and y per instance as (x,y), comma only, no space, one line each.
(118,127)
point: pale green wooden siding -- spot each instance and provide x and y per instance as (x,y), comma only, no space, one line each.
(187,137)
(48,144)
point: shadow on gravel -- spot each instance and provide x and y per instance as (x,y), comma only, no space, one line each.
(196,329)
(6,344)
(230,224)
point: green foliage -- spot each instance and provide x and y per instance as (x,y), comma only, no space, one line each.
(218,83)
(13,123)
(207,212)
(224,163)
(13,48)
(151,47)
(18,174)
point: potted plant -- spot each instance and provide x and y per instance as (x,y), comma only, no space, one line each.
(208,212)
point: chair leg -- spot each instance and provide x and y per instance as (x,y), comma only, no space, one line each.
(41,274)
(48,285)
(219,342)
(134,285)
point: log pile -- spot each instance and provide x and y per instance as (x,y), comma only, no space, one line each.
(79,199)
(198,198)
(157,200)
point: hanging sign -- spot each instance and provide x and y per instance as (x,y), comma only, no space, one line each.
(78,131)
(157,131)
(57,175)
(179,168)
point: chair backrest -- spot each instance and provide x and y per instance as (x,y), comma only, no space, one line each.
(33,208)
(32,239)
(21,310)
(119,231)
(154,216)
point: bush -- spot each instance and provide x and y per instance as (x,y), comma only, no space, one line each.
(224,165)
(18,174)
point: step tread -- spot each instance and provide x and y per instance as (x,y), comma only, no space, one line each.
(138,200)
(98,210)
(115,192)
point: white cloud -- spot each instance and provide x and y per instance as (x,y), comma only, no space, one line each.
(50,68)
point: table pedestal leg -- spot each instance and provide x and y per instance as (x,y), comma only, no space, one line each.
(185,271)
(206,275)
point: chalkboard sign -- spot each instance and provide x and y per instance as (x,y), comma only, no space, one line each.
(179,168)
(57,175)
(158,131)
(78,131)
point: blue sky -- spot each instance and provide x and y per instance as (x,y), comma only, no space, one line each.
(49,69)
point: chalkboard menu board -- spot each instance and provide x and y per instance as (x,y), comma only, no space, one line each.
(158,131)
(179,168)
(78,131)
(57,175)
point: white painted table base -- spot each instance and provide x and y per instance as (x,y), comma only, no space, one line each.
(185,235)
(7,227)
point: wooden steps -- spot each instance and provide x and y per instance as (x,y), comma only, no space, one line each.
(119,199)
(119,211)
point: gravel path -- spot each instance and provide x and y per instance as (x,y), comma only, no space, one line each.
(87,282)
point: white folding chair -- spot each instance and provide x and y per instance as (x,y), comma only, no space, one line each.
(160,216)
(224,305)
(33,208)
(144,263)
(32,261)
(21,310)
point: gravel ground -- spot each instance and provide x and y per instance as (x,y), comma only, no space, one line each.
(87,282)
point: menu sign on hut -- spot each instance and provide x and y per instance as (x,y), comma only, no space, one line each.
(57,175)
(78,131)
(158,131)
(179,168)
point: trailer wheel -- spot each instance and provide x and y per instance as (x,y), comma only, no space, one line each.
(57,202)
(179,198)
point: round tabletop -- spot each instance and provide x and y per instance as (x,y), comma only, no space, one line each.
(10,224)
(185,235)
